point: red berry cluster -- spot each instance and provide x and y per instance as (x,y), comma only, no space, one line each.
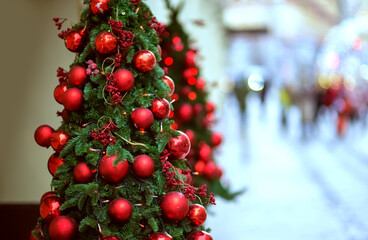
(125,37)
(118,60)
(59,22)
(171,177)
(104,135)
(92,68)
(62,75)
(111,88)
(189,192)
(159,27)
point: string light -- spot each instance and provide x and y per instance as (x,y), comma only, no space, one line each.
(138,205)
(195,173)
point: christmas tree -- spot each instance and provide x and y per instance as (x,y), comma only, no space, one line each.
(118,169)
(193,112)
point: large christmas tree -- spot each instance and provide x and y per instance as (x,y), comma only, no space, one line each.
(118,169)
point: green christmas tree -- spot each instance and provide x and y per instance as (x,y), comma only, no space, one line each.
(118,168)
(193,112)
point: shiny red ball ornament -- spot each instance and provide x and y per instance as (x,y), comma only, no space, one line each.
(169,82)
(143,166)
(125,80)
(179,147)
(159,236)
(43,134)
(197,214)
(99,6)
(53,163)
(73,99)
(199,235)
(106,43)
(77,76)
(46,195)
(212,171)
(160,108)
(63,228)
(110,173)
(210,107)
(50,208)
(144,60)
(82,173)
(59,92)
(174,206)
(59,139)
(74,41)
(142,118)
(110,238)
(185,113)
(205,152)
(216,139)
(191,135)
(120,210)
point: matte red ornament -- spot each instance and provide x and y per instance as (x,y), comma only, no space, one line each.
(63,228)
(53,163)
(49,208)
(43,134)
(74,41)
(144,60)
(120,210)
(199,235)
(73,99)
(169,83)
(160,108)
(185,113)
(99,6)
(110,238)
(197,108)
(142,118)
(106,43)
(174,206)
(191,135)
(77,76)
(59,92)
(46,195)
(143,166)
(110,173)
(59,139)
(197,214)
(205,152)
(212,171)
(216,139)
(179,147)
(210,107)
(125,80)
(159,236)
(82,173)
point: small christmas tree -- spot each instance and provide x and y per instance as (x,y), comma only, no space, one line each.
(193,112)
(118,169)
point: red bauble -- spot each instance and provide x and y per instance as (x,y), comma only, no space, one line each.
(205,152)
(212,171)
(82,173)
(106,43)
(110,173)
(210,107)
(169,83)
(63,228)
(199,167)
(120,210)
(160,108)
(197,214)
(59,139)
(185,90)
(159,50)
(199,235)
(200,84)
(216,139)
(43,134)
(125,80)
(46,195)
(185,113)
(179,147)
(191,135)
(142,118)
(49,208)
(144,60)
(59,92)
(53,163)
(99,6)
(110,238)
(77,76)
(73,99)
(159,236)
(174,206)
(197,108)
(143,166)
(74,41)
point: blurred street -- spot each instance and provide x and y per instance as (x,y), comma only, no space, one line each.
(315,188)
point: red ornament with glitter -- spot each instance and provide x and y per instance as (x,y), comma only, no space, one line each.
(185,113)
(144,60)
(77,76)
(59,92)
(160,108)
(54,162)
(49,208)
(125,80)
(73,99)
(197,214)
(179,147)
(110,238)
(43,135)
(142,118)
(106,43)
(120,210)
(110,173)
(63,228)
(59,139)
(74,41)
(199,235)
(169,82)
(143,166)
(174,206)
(216,139)
(99,6)
(46,195)
(82,173)
(160,236)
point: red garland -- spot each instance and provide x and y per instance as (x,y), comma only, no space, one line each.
(136,2)
(125,37)
(104,135)
(111,88)
(62,75)
(154,24)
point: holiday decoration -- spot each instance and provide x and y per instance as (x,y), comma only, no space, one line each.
(199,235)
(197,214)
(159,236)
(142,118)
(110,238)
(110,172)
(59,139)
(82,173)
(73,99)
(205,152)
(106,43)
(212,171)
(49,208)
(43,134)
(145,60)
(169,82)
(99,6)
(54,162)
(185,112)
(216,139)
(179,146)
(74,41)
(125,80)
(143,166)
(63,228)
(160,108)
(120,210)
(46,195)
(59,92)
(77,76)
(174,206)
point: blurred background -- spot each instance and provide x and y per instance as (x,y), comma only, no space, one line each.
(290,80)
